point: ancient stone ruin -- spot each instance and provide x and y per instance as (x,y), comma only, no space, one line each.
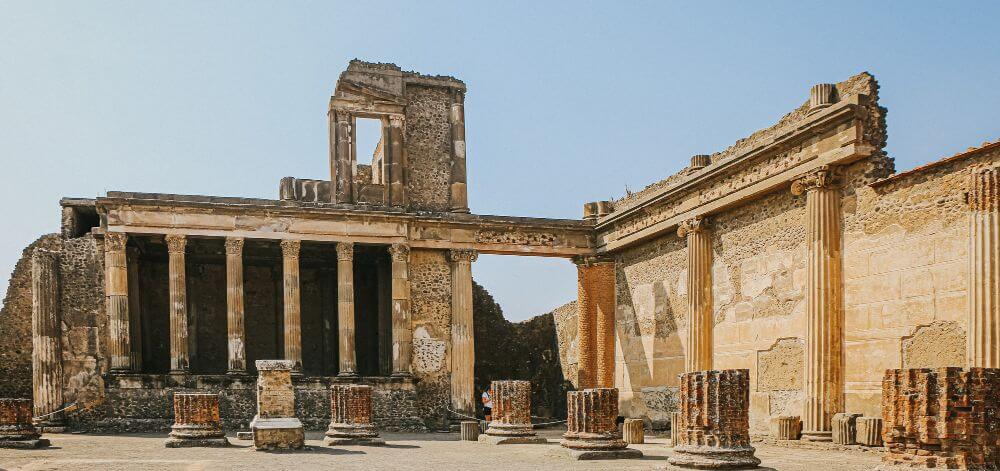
(351,416)
(714,428)
(16,427)
(511,421)
(591,430)
(196,422)
(275,427)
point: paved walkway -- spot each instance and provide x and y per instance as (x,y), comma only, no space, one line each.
(438,452)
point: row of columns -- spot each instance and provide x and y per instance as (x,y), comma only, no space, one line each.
(124,355)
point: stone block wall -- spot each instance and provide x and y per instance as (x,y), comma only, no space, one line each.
(428,147)
(430,288)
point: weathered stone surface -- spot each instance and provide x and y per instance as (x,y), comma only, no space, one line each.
(16,429)
(469,430)
(869,431)
(511,420)
(591,429)
(351,416)
(275,426)
(633,432)
(941,418)
(786,427)
(714,428)
(844,427)
(196,422)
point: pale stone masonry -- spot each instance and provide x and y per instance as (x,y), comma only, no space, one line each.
(345,309)
(116,279)
(984,280)
(235,324)
(46,341)
(462,340)
(275,426)
(700,319)
(179,359)
(293,311)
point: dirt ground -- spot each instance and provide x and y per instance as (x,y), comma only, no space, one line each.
(437,452)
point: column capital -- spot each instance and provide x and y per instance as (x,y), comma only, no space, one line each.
(463,255)
(345,251)
(588,260)
(824,177)
(399,252)
(396,120)
(693,225)
(115,241)
(176,243)
(234,245)
(983,189)
(290,248)
(343,116)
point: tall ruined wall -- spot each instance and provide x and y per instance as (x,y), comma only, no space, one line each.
(15,324)
(526,350)
(430,294)
(428,147)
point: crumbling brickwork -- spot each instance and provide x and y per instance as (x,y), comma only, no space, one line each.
(941,418)
(714,426)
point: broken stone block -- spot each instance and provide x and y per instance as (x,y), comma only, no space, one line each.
(714,427)
(511,419)
(196,422)
(351,416)
(591,429)
(16,429)
(844,428)
(275,426)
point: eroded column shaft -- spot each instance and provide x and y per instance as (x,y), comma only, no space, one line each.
(234,305)
(46,354)
(714,421)
(179,360)
(459,192)
(116,290)
(824,375)
(402,330)
(596,323)
(591,420)
(462,338)
(345,308)
(511,409)
(984,269)
(343,179)
(701,322)
(293,313)
(134,308)
(397,162)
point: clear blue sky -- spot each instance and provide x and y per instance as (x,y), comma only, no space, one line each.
(567,103)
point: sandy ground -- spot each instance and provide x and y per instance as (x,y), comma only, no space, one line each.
(402,452)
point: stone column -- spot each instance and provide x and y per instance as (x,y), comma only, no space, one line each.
(179,361)
(343,180)
(463,352)
(786,427)
(633,431)
(275,425)
(234,306)
(196,422)
(824,374)
(714,428)
(134,307)
(402,331)
(595,322)
(941,418)
(345,309)
(116,290)
(351,418)
(591,426)
(511,420)
(869,431)
(984,268)
(16,429)
(844,425)
(46,353)
(292,319)
(700,318)
(459,192)
(397,162)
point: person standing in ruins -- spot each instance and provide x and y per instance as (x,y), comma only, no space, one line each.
(487,403)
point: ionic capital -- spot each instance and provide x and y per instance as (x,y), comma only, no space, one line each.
(115,241)
(234,245)
(399,252)
(824,177)
(693,226)
(345,251)
(463,255)
(984,189)
(176,243)
(590,260)
(290,248)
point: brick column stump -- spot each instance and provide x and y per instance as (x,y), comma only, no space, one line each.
(470,430)
(16,428)
(869,431)
(351,416)
(941,418)
(845,430)
(714,430)
(511,420)
(786,427)
(275,426)
(196,422)
(591,426)
(633,431)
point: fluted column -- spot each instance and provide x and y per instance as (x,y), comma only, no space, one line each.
(402,330)
(984,268)
(700,317)
(397,162)
(345,308)
(234,305)
(463,354)
(293,315)
(459,192)
(134,308)
(595,322)
(116,290)
(824,374)
(179,361)
(343,179)
(46,353)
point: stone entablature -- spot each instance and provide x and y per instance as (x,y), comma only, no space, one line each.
(146,213)
(839,133)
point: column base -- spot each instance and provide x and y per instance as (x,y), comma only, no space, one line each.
(354,441)
(510,440)
(353,376)
(622,454)
(25,444)
(710,457)
(174,442)
(284,433)
(404,375)
(817,436)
